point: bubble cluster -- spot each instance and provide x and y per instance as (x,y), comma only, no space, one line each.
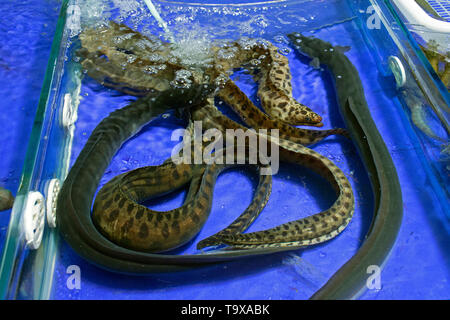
(182,79)
(221,80)
(227,52)
(247,43)
(153,69)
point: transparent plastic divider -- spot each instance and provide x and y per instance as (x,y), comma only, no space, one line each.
(433,89)
(16,256)
(426,84)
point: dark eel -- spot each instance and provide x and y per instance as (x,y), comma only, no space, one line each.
(128,248)
(77,193)
(351,278)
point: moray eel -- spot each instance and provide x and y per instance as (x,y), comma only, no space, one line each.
(350,279)
(121,252)
(303,232)
(6,199)
(118,215)
(75,198)
(271,72)
(121,219)
(255,118)
(123,59)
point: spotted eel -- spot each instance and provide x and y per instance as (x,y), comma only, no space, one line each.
(275,92)
(101,251)
(121,58)
(118,215)
(350,280)
(75,198)
(314,229)
(76,195)
(273,78)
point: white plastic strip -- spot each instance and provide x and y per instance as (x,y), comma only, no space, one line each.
(416,15)
(158,18)
(33,219)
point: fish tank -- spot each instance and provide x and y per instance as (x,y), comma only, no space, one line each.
(375,92)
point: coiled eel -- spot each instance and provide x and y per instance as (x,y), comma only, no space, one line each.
(77,193)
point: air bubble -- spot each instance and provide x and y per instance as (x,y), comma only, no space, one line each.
(255,62)
(182,79)
(131,59)
(280,39)
(285,51)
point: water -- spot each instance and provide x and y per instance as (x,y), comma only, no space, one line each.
(296,191)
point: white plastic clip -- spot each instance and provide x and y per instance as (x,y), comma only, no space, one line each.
(398,70)
(53,187)
(33,219)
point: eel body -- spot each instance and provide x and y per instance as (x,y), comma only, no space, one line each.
(77,193)
(303,232)
(120,196)
(118,214)
(121,58)
(350,279)
(76,196)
